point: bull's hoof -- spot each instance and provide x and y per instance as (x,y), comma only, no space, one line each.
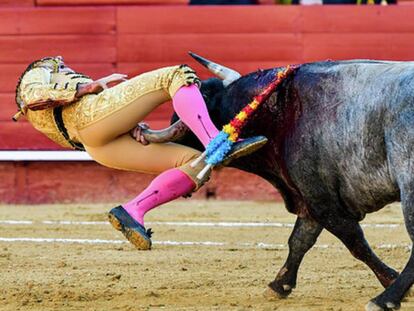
(374,306)
(271,294)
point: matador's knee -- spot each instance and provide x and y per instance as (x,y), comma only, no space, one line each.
(172,78)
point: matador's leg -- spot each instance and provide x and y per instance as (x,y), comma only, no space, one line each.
(190,107)
(115,112)
(125,153)
(177,178)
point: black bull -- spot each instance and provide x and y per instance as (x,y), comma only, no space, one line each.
(341,144)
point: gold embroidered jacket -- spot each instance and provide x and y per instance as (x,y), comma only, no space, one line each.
(40,85)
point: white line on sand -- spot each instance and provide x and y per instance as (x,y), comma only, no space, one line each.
(179,223)
(16,222)
(185,243)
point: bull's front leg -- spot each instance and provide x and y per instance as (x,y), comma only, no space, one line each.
(303,237)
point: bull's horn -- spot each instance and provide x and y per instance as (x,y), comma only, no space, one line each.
(226,74)
(172,133)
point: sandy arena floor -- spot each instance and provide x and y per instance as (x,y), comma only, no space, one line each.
(47,265)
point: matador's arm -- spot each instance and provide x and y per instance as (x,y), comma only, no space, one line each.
(39,92)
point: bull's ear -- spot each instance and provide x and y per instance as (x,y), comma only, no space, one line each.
(226,74)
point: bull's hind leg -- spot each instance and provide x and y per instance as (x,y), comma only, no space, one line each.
(303,237)
(400,150)
(350,233)
(390,299)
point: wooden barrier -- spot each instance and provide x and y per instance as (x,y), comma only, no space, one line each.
(133,39)
(60,182)
(57,21)
(15,3)
(102,40)
(110,2)
(209,20)
(99,40)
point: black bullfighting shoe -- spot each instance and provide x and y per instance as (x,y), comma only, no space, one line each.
(130,228)
(244,147)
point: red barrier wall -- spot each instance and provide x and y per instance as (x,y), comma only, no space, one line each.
(104,39)
(133,39)
(82,182)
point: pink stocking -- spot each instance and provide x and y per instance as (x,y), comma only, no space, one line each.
(190,106)
(171,184)
(166,187)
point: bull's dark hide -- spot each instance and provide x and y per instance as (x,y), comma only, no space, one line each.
(341,140)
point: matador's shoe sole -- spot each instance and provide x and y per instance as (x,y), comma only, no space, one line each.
(130,228)
(244,148)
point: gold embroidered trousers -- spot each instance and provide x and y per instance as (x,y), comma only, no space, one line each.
(102,123)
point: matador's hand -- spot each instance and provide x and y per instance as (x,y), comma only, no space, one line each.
(113,78)
(137,133)
(189,75)
(88,88)
(98,86)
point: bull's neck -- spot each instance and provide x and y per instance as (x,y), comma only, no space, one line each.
(275,119)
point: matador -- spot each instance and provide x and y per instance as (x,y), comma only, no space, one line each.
(79,113)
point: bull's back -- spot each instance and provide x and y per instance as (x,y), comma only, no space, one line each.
(339,148)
